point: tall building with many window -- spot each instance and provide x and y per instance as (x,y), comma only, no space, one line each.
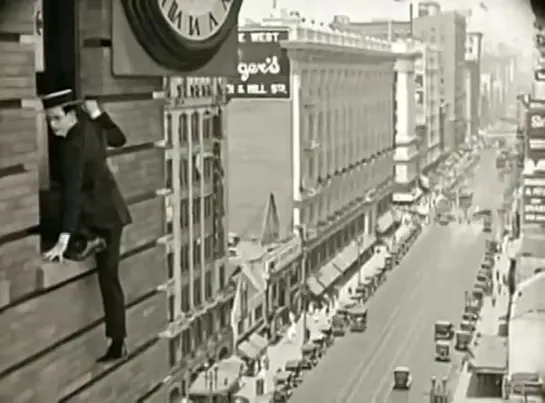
(319,134)
(447,30)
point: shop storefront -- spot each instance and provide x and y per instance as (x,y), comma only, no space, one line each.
(324,286)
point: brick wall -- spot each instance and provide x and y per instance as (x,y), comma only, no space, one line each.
(51,314)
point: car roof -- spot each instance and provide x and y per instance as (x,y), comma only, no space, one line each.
(442,322)
(401,369)
(443,342)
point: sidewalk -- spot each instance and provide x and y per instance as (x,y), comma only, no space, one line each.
(466,389)
(285,350)
(377,260)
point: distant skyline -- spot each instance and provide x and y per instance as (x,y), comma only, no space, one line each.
(508,21)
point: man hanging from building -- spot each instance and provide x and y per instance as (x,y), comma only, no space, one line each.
(87,203)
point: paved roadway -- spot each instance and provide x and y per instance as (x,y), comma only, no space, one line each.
(429,285)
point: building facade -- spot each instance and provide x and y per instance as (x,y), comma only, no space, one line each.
(268,288)
(171,173)
(427,84)
(447,30)
(500,71)
(473,83)
(381,29)
(406,110)
(428,105)
(329,154)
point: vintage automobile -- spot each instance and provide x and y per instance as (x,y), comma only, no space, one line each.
(442,350)
(470,317)
(283,385)
(358,318)
(310,353)
(402,378)
(467,326)
(444,330)
(297,368)
(463,339)
(338,326)
(487,225)
(444,219)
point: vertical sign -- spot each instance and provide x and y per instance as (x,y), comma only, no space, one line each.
(263,65)
(534,200)
(536,135)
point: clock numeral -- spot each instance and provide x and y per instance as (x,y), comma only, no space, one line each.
(174,14)
(212,22)
(194,26)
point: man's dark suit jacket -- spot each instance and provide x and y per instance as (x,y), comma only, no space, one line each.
(90,195)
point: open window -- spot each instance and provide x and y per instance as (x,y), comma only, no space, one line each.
(60,72)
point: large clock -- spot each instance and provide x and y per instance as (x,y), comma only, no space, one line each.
(182,35)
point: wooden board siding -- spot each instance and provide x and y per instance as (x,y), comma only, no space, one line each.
(98,78)
(147,224)
(17,71)
(129,381)
(18,141)
(17,17)
(19,263)
(139,120)
(72,364)
(162,395)
(18,202)
(139,172)
(35,325)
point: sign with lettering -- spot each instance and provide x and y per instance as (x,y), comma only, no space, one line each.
(534,199)
(536,134)
(263,65)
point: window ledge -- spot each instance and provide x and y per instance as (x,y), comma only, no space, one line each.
(54,273)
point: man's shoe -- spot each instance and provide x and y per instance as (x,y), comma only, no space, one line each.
(116,351)
(90,247)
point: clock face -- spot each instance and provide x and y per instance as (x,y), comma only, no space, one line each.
(195,20)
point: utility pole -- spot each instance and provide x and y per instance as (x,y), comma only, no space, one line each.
(304,277)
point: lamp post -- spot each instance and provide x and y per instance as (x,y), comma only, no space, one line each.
(304,277)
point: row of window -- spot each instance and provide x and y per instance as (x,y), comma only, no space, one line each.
(333,245)
(204,327)
(194,126)
(201,292)
(344,144)
(209,254)
(250,319)
(208,208)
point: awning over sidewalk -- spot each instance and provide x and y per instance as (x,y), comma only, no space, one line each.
(259,342)
(413,196)
(489,356)
(385,222)
(248,350)
(322,280)
(347,256)
(424,183)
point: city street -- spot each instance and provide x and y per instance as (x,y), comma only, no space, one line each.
(428,286)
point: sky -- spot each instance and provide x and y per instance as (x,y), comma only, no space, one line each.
(508,21)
